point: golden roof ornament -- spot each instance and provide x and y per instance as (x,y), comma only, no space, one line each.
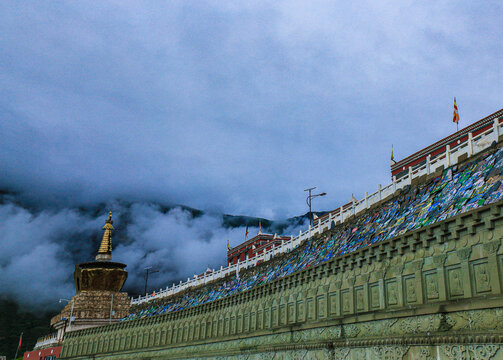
(105,250)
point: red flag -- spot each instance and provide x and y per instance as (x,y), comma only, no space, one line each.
(20,341)
(246,232)
(455,115)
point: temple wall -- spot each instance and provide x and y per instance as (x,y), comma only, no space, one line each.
(95,305)
(435,292)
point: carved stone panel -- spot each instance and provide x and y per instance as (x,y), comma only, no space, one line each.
(260,319)
(332,303)
(191,331)
(346,301)
(203,330)
(291,312)
(232,325)
(454,280)
(374,296)
(253,321)
(220,326)
(431,284)
(310,309)
(282,314)
(462,352)
(216,326)
(392,292)
(410,290)
(246,321)
(300,310)
(388,352)
(169,334)
(321,305)
(239,323)
(359,299)
(140,340)
(118,340)
(173,336)
(275,317)
(149,337)
(480,277)
(186,332)
(176,336)
(267,318)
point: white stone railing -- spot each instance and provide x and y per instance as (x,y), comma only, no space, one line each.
(225,271)
(46,341)
(472,146)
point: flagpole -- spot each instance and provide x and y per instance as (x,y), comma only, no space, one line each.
(455,115)
(19,346)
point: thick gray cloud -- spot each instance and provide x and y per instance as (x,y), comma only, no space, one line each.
(221,105)
(34,252)
(38,250)
(231,106)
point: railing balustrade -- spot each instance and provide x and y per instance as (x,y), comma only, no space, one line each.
(47,340)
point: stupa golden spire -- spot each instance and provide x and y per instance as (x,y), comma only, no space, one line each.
(105,250)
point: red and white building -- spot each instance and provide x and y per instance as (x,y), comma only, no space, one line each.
(438,149)
(443,152)
(254,246)
(50,353)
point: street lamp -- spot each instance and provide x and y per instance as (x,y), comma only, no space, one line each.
(148,270)
(308,202)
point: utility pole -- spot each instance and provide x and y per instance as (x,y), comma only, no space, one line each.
(148,270)
(308,202)
(111,307)
(71,315)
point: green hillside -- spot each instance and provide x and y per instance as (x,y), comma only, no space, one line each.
(14,321)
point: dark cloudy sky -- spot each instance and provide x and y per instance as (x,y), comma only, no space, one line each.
(236,106)
(227,106)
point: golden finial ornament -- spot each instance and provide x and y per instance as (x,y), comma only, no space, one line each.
(105,250)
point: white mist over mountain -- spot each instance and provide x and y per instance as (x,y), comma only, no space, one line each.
(39,248)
